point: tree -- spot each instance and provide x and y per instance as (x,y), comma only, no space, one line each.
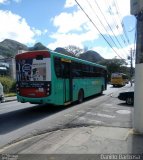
(74,50)
(115,65)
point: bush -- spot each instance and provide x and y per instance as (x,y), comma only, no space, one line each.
(8,83)
(13,87)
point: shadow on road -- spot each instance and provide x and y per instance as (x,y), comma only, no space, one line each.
(125,105)
(16,119)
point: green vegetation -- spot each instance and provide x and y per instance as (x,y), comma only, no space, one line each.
(9,85)
(10,94)
(116,65)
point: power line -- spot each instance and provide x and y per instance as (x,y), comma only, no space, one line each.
(116,24)
(124,30)
(122,23)
(97,29)
(108,24)
(102,24)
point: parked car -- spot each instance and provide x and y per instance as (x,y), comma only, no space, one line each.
(2,99)
(127,96)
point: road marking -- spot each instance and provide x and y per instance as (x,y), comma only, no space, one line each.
(123,112)
(101,115)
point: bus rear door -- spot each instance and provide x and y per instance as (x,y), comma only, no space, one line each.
(67,81)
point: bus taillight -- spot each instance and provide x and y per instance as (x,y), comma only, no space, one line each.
(48,91)
(17,88)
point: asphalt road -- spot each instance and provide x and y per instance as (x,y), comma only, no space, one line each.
(19,121)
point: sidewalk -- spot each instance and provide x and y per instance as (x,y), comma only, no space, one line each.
(83,140)
(8,99)
(87,142)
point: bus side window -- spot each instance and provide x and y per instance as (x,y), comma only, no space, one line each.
(76,70)
(58,67)
(65,70)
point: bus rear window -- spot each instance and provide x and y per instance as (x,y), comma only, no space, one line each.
(33,69)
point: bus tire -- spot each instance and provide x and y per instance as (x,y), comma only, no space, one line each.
(102,88)
(80,96)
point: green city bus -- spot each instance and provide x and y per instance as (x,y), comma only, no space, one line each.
(48,77)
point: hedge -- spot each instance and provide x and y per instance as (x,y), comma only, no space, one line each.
(9,85)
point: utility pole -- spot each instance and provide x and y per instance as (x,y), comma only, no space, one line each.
(138,110)
(137,10)
(131,64)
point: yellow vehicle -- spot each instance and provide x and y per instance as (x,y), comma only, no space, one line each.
(119,79)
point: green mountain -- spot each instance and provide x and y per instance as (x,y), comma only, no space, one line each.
(91,56)
(63,51)
(38,46)
(9,48)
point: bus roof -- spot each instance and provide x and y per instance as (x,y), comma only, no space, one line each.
(47,53)
(32,54)
(78,60)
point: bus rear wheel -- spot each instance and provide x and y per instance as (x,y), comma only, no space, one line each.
(80,96)
(102,89)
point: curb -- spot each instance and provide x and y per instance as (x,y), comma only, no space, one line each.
(9,99)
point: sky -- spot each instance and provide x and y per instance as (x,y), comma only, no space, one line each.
(104,26)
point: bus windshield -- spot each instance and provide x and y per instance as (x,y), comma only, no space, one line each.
(119,79)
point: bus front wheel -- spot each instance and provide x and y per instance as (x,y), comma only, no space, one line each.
(80,96)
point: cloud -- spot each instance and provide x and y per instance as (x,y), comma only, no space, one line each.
(37,31)
(105,52)
(69,3)
(108,52)
(72,28)
(3,1)
(106,15)
(75,28)
(63,40)
(8,1)
(15,27)
(66,22)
